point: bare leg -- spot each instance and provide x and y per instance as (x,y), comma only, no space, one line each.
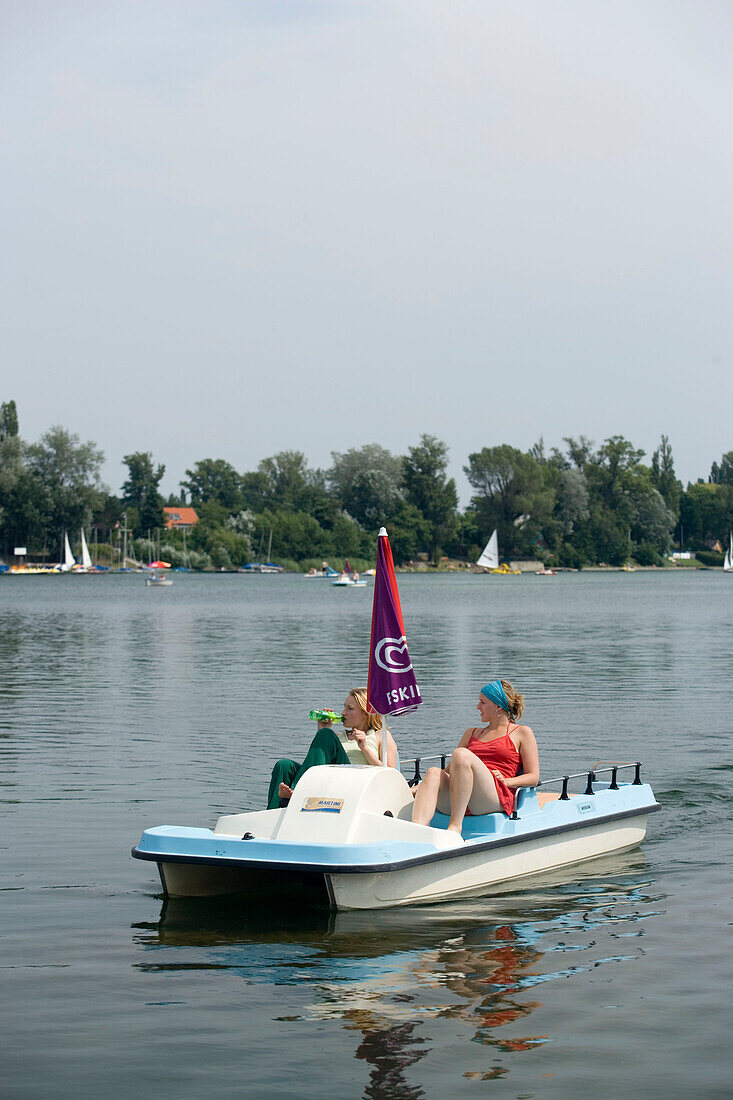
(429,794)
(471,785)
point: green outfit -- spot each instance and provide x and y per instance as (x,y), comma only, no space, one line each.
(327,747)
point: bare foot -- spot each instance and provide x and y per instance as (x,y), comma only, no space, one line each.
(453,829)
(284,791)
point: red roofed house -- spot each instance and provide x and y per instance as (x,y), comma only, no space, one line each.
(180,519)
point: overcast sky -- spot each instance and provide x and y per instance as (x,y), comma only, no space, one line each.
(234,228)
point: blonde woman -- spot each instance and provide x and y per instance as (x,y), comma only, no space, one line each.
(358,742)
(489,765)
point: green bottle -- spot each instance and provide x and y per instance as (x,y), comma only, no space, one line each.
(325,716)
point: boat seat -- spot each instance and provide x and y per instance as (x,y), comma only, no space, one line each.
(527,802)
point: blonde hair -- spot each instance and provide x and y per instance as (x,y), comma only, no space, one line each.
(359,695)
(515,701)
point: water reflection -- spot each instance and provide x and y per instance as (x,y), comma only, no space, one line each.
(477,965)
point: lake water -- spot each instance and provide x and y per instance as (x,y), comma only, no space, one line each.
(123,707)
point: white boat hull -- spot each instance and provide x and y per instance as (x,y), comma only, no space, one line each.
(473,874)
(468,874)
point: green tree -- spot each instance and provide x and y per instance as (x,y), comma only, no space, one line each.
(214,479)
(227,549)
(616,459)
(294,535)
(286,478)
(573,499)
(25,512)
(706,514)
(723,474)
(664,478)
(366,481)
(627,510)
(652,521)
(430,491)
(8,420)
(69,472)
(284,481)
(512,495)
(580,450)
(256,491)
(141,489)
(409,532)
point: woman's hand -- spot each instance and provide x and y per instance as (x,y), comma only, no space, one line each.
(359,736)
(325,723)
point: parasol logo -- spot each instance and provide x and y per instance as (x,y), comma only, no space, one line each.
(391,655)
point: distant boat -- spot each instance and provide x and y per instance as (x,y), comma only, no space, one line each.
(628,569)
(489,558)
(322,574)
(728,563)
(346,581)
(69,561)
(86,558)
(545,572)
(158,580)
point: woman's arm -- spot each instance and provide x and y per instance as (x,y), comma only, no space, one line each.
(371,757)
(530,760)
(468,734)
(375,758)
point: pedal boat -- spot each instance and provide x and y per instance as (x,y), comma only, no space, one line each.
(346,840)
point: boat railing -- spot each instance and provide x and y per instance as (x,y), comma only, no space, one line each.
(417,776)
(590,776)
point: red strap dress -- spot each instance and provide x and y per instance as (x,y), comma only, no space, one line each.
(499,755)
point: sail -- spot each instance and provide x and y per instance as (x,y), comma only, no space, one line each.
(68,562)
(86,559)
(490,553)
(728,563)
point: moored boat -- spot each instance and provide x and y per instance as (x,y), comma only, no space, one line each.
(347,839)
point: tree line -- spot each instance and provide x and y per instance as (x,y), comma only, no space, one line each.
(579,505)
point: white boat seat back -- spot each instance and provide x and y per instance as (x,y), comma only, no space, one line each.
(328,801)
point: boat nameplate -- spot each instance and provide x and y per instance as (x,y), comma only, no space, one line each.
(322,805)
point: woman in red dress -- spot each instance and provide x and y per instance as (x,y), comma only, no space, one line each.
(489,765)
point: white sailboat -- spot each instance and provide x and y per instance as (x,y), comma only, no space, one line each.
(68,563)
(86,557)
(489,558)
(728,563)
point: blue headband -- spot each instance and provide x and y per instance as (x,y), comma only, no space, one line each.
(495,692)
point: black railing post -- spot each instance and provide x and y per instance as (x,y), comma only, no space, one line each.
(613,785)
(564,797)
(589,788)
(416,777)
(637,777)
(442,762)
